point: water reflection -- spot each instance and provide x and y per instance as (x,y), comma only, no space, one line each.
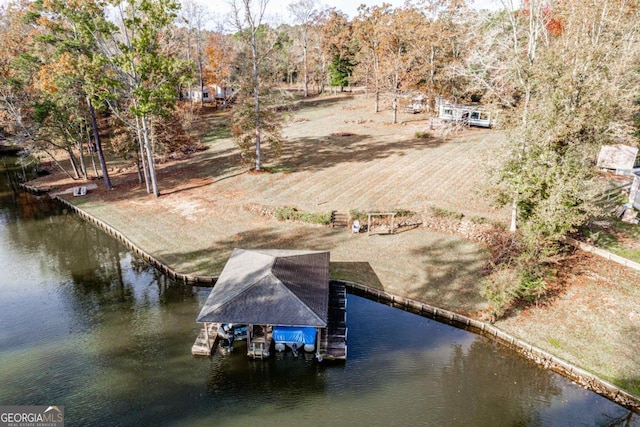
(88,326)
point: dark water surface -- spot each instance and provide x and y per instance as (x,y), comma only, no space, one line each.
(85,324)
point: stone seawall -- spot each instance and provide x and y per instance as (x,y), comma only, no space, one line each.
(537,355)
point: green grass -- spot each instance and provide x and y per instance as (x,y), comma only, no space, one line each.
(288,213)
(358,214)
(216,134)
(610,241)
(279,169)
(444,213)
(631,230)
(631,385)
(555,343)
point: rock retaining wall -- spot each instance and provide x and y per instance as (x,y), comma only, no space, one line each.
(470,229)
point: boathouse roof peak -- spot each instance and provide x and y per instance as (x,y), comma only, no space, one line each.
(275,287)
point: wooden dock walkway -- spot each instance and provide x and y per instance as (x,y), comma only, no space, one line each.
(207,340)
(333,339)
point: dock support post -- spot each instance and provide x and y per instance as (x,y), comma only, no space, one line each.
(206,335)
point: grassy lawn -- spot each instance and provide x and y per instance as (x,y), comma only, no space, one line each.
(341,157)
(616,236)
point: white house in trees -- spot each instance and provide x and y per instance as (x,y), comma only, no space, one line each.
(210,93)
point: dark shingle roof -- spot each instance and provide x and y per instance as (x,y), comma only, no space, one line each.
(271,287)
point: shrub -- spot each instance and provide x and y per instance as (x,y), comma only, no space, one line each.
(358,214)
(531,286)
(500,289)
(403,212)
(422,135)
(509,284)
(444,213)
(478,220)
(288,213)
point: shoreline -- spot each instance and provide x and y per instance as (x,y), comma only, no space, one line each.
(539,356)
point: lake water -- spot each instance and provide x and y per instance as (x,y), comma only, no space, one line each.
(86,325)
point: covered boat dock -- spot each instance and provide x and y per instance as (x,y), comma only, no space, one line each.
(270,289)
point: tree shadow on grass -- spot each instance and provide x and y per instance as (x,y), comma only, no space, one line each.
(318,153)
(319,101)
(196,171)
(451,272)
(211,263)
(358,272)
(631,382)
(443,273)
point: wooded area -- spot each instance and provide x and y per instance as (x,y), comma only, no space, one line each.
(103,79)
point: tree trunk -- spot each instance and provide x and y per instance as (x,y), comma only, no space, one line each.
(147,179)
(376,81)
(395,108)
(73,161)
(200,72)
(96,138)
(323,78)
(256,95)
(149,153)
(83,166)
(139,171)
(58,164)
(432,67)
(93,159)
(306,70)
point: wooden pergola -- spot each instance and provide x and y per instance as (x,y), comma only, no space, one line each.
(373,214)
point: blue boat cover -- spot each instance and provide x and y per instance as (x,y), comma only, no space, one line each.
(294,334)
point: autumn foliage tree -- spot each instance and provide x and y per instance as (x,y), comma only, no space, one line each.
(144,74)
(220,56)
(411,47)
(339,46)
(566,75)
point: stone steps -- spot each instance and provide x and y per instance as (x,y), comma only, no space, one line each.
(339,220)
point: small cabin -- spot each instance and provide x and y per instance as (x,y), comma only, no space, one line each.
(618,157)
(465,114)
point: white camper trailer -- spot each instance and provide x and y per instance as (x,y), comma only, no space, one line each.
(210,93)
(465,114)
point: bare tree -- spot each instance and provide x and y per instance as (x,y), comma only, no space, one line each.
(248,18)
(369,30)
(304,12)
(195,16)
